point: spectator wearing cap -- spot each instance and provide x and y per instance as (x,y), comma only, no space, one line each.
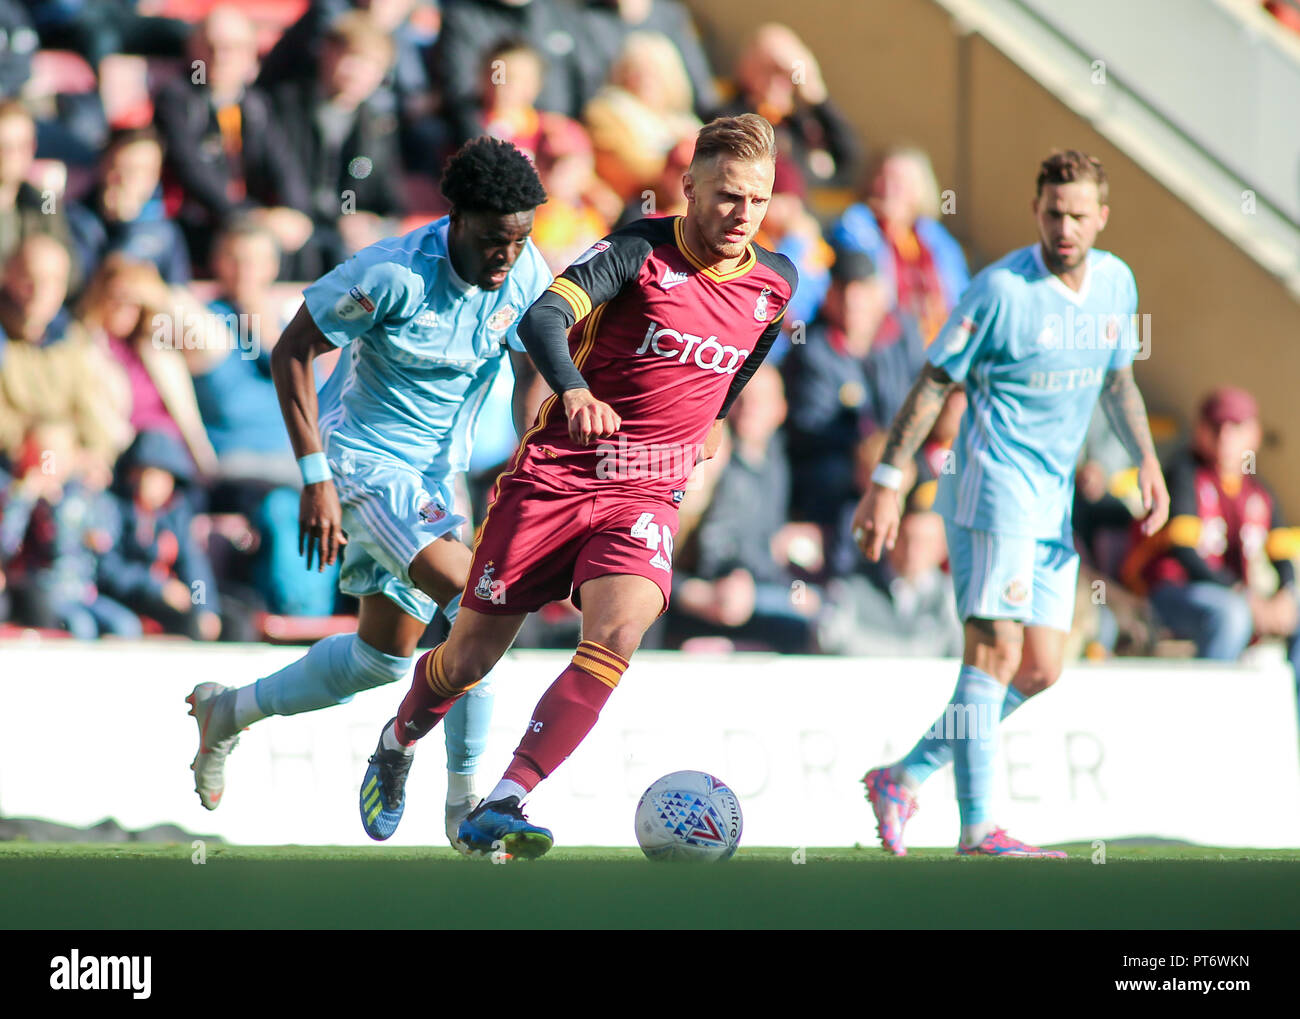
(897,225)
(778,77)
(846,379)
(153,564)
(1206,572)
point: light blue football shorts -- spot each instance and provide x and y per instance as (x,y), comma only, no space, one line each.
(391,512)
(1006,576)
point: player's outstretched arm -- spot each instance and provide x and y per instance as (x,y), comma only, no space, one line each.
(875,523)
(1127,413)
(320,518)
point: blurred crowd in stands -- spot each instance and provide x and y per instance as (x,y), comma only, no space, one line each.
(172,173)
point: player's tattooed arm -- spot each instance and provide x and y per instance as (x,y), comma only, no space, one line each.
(1127,413)
(917,416)
(875,521)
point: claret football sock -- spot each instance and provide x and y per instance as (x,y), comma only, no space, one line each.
(427,702)
(566,713)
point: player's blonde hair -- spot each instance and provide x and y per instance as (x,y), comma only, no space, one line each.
(748,137)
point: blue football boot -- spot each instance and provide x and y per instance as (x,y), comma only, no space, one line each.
(500,827)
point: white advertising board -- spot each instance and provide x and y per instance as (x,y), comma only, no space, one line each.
(1176,750)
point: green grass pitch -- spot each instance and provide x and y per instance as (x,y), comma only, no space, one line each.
(94,887)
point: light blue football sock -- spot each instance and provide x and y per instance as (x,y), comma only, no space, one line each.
(934,751)
(971,724)
(468,720)
(329,673)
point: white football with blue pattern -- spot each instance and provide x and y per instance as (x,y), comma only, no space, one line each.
(688,815)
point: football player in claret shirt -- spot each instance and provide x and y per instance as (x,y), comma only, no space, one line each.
(646,340)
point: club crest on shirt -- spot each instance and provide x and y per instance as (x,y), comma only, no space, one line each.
(484,587)
(431,512)
(353,305)
(760,305)
(1015,592)
(502,318)
(591,252)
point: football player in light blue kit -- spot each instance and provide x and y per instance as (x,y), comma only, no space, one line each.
(1036,340)
(424,322)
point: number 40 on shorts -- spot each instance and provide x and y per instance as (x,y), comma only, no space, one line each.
(658,538)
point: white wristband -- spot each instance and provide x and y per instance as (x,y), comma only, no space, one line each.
(887,477)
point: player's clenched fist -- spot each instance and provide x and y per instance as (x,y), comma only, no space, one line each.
(875,522)
(589,419)
(320,524)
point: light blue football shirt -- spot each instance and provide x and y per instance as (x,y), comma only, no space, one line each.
(421,346)
(1032,355)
